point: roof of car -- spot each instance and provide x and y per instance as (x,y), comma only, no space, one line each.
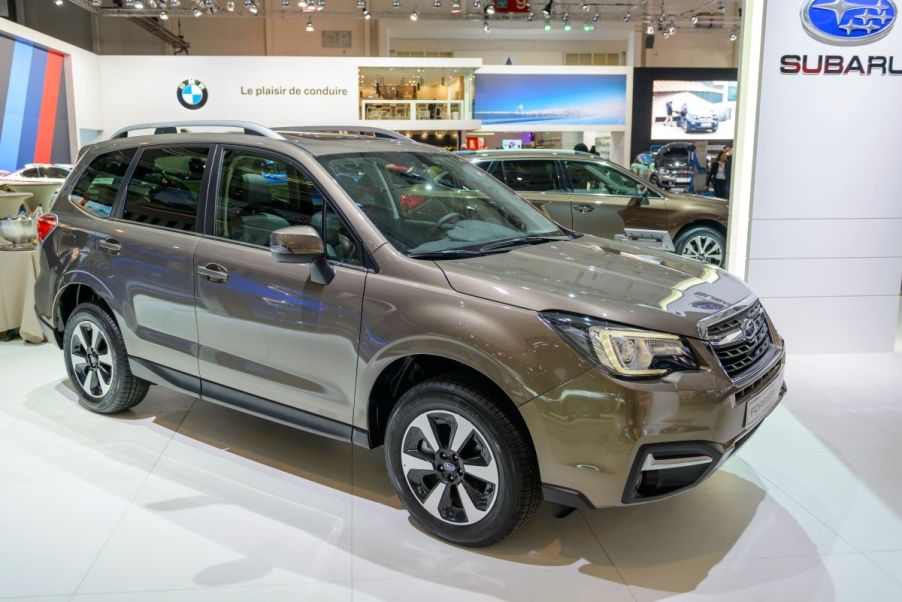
(530,153)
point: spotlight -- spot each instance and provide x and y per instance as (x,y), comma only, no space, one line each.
(530,16)
(490,8)
(96,2)
(414,15)
(455,7)
(198,12)
(567,26)
(164,16)
(666,34)
(627,17)
(361,4)
(588,26)
(547,25)
(286,3)
(437,3)
(396,3)
(584,6)
(138,5)
(309,26)
(477,3)
(694,19)
(671,29)
(230,6)
(650,30)
(251,6)
(595,18)
(367,14)
(486,27)
(733,36)
(58,2)
(320,5)
(547,9)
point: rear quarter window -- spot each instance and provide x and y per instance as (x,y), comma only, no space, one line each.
(97,186)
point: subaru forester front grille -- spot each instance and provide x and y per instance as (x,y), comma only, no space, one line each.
(741,341)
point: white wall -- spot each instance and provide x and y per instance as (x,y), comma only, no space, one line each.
(825,248)
(693,49)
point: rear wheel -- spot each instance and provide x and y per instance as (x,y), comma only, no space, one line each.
(460,464)
(97,362)
(702,243)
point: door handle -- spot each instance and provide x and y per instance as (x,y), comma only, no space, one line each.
(111,245)
(213,272)
(582,208)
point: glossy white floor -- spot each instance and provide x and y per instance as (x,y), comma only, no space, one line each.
(183,500)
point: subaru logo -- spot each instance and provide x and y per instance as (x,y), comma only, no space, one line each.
(748,327)
(449,467)
(192,94)
(848,23)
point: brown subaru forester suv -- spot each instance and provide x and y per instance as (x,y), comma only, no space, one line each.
(384,292)
(591,195)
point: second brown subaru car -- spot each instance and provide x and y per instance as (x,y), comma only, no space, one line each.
(384,292)
(595,196)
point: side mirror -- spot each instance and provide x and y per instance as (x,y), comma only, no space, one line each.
(302,244)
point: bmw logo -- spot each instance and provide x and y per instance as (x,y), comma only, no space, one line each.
(192,94)
(848,23)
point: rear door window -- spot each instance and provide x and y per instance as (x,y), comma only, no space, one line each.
(98,184)
(164,189)
(531,175)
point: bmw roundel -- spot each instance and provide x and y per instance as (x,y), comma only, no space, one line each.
(192,94)
(846,22)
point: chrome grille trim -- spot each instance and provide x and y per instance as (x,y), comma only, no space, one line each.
(740,338)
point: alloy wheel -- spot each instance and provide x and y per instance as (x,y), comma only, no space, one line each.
(92,359)
(449,467)
(703,248)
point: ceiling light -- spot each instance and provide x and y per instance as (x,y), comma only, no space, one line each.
(627,17)
(139,5)
(547,9)
(175,3)
(396,3)
(367,14)
(490,8)
(733,36)
(547,25)
(530,16)
(486,27)
(666,34)
(230,5)
(414,15)
(455,6)
(588,26)
(567,26)
(96,2)
(198,12)
(477,3)
(164,16)
(585,5)
(361,4)
(286,3)
(251,6)
(309,27)
(650,30)
(595,18)
(671,29)
(320,5)
(437,3)
(694,19)
(58,2)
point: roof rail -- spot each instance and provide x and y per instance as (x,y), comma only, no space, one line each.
(171,127)
(344,129)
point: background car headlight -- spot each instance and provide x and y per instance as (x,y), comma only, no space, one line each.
(621,350)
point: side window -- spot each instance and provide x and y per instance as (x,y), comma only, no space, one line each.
(259,194)
(164,189)
(55,172)
(98,184)
(341,245)
(496,170)
(597,178)
(531,175)
(31,172)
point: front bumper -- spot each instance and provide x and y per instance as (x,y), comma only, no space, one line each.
(594,435)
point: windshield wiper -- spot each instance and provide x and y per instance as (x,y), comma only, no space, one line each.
(522,240)
(444,254)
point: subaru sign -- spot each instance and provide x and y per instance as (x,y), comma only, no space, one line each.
(846,23)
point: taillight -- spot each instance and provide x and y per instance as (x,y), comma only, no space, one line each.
(411,201)
(46,224)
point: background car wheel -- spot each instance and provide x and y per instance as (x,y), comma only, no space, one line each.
(97,362)
(461,464)
(702,243)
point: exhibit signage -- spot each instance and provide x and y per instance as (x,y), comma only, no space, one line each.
(844,23)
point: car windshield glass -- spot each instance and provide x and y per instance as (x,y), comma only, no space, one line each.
(436,203)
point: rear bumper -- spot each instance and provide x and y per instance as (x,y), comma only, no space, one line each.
(602,442)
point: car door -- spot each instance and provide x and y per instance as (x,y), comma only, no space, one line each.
(539,182)
(266,331)
(150,254)
(606,201)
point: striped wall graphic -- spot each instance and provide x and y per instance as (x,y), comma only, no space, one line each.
(35,115)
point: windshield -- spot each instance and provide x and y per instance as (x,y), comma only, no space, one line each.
(432,203)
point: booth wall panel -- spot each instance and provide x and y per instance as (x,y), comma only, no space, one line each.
(812,238)
(835,324)
(825,277)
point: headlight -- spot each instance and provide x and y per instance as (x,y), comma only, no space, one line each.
(621,350)
(664,171)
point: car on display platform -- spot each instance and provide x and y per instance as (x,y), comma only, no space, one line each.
(672,168)
(595,196)
(699,123)
(499,357)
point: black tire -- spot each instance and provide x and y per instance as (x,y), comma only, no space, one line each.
(118,391)
(518,493)
(696,240)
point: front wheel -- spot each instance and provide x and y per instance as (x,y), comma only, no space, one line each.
(460,463)
(702,243)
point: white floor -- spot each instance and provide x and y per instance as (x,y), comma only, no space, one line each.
(183,500)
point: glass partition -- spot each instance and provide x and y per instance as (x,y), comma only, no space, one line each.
(414,94)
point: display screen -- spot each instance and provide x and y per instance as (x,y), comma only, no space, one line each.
(693,110)
(512,144)
(550,99)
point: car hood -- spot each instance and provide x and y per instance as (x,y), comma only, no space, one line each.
(602,278)
(711,203)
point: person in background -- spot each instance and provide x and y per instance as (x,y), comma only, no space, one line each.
(720,172)
(669,119)
(580,147)
(593,150)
